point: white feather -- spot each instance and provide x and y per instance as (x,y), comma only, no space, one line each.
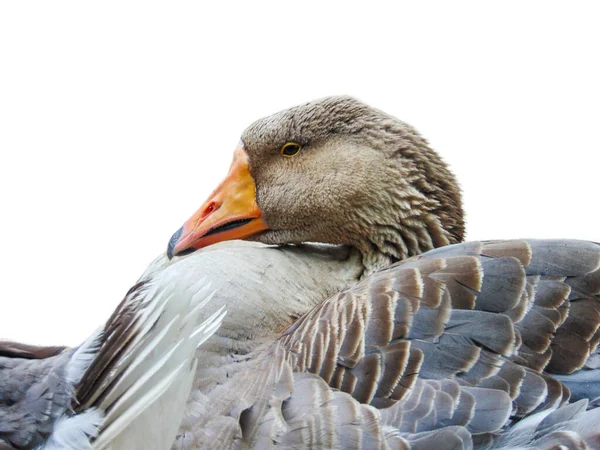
(147,402)
(148,386)
(83,357)
(75,432)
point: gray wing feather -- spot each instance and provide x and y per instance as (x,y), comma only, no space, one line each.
(33,394)
(451,349)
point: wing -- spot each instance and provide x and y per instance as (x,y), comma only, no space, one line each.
(446,350)
(36,392)
(33,394)
(126,385)
(146,362)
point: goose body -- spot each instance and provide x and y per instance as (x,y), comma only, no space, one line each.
(123,388)
(250,278)
(449,349)
(412,340)
(390,334)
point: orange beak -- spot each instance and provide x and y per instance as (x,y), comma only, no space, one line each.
(231,212)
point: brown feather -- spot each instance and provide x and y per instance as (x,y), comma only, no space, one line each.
(10,349)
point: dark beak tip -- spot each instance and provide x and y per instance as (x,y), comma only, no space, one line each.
(173,242)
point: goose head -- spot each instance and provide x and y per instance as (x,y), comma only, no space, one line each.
(333,171)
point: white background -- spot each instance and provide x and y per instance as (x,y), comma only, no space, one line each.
(117,119)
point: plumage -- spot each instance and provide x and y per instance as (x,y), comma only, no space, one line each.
(392,334)
(420,344)
(106,392)
(464,378)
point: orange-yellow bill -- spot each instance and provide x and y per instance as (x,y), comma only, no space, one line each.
(231,212)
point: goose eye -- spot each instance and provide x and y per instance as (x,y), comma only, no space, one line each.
(290,149)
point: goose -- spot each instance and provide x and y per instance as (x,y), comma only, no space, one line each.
(358,317)
(122,388)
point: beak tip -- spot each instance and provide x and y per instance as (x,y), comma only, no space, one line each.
(173,242)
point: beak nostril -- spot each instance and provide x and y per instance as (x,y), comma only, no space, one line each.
(212,206)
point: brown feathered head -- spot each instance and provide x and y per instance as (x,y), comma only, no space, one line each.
(333,171)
